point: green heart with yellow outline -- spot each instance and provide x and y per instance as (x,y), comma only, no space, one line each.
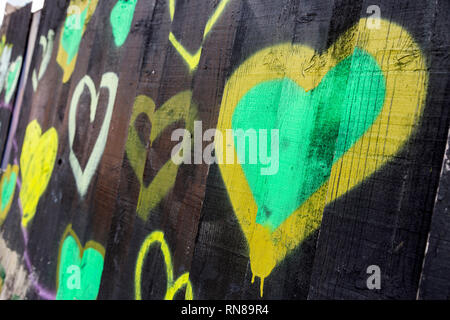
(88,260)
(7,189)
(298,81)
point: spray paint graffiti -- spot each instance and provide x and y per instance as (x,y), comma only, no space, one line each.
(179,107)
(192,60)
(109,81)
(9,71)
(7,190)
(72,33)
(12,79)
(5,58)
(79,270)
(2,277)
(47,48)
(173,287)
(121,18)
(36,166)
(329,108)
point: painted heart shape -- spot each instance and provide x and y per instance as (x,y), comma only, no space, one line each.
(12,79)
(47,48)
(7,189)
(109,81)
(334,133)
(308,124)
(173,286)
(36,166)
(193,60)
(78,16)
(121,18)
(79,270)
(179,107)
(5,59)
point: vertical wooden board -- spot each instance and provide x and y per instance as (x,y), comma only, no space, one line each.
(15,30)
(434,282)
(174,214)
(221,267)
(384,220)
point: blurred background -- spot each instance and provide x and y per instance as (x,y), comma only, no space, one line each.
(7,6)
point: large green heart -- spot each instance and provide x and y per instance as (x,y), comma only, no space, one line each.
(309,123)
(73,32)
(90,266)
(121,19)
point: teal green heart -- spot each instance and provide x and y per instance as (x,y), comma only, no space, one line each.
(8,188)
(12,76)
(316,128)
(73,32)
(90,266)
(121,18)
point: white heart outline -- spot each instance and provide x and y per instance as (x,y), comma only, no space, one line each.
(109,81)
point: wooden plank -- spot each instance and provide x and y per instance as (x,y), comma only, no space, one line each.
(15,30)
(434,282)
(385,220)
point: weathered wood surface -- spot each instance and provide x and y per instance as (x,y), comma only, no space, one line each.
(385,221)
(15,30)
(103,192)
(434,282)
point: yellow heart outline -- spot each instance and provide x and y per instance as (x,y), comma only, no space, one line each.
(170,112)
(302,65)
(193,60)
(172,286)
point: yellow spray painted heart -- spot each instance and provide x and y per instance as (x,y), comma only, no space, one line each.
(404,69)
(36,166)
(173,287)
(193,60)
(179,107)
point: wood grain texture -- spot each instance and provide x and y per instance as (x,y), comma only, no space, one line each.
(15,29)
(385,220)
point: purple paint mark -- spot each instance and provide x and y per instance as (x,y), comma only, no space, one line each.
(42,292)
(5,106)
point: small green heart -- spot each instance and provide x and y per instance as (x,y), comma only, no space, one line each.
(73,32)
(316,129)
(8,188)
(90,267)
(12,78)
(121,19)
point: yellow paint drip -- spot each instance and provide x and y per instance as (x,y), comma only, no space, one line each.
(262,254)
